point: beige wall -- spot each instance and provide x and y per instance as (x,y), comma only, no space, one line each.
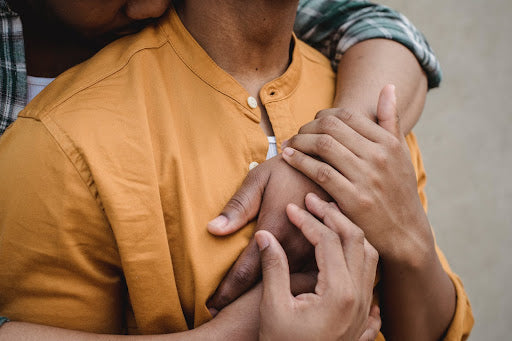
(465,137)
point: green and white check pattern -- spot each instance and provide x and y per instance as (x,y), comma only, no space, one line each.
(3,320)
(331,26)
(334,26)
(13,74)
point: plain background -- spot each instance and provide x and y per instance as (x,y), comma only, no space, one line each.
(465,138)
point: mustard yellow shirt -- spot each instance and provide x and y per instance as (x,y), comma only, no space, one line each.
(109,177)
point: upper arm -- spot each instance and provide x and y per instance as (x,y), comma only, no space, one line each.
(60,264)
(335,26)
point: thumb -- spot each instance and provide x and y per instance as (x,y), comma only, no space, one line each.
(275,270)
(242,207)
(387,114)
(373,324)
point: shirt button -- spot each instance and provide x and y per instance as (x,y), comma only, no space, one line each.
(253,103)
(253,165)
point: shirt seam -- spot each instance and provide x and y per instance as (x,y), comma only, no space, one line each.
(57,142)
(48,110)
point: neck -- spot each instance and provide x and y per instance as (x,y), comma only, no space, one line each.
(249,39)
(49,51)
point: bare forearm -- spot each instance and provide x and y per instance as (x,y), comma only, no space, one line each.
(238,321)
(33,332)
(368,66)
(419,299)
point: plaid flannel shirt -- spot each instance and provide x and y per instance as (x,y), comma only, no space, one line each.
(13,74)
(331,26)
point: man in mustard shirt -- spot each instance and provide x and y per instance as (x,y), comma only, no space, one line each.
(141,174)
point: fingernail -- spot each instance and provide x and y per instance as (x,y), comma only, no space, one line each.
(219,223)
(313,196)
(293,207)
(284,144)
(262,241)
(213,311)
(288,151)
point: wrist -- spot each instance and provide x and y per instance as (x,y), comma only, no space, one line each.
(360,107)
(413,250)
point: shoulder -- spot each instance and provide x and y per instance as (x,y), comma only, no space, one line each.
(112,66)
(96,101)
(313,56)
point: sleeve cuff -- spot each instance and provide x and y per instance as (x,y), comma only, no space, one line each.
(3,320)
(463,320)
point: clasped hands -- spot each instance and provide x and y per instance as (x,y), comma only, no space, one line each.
(365,168)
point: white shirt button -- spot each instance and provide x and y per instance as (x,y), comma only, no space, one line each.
(253,165)
(253,103)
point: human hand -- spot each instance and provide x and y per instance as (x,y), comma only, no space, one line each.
(367,169)
(340,306)
(267,189)
(240,319)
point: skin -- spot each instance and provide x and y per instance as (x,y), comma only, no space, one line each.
(59,34)
(368,171)
(239,321)
(93,24)
(262,28)
(336,302)
(339,307)
(364,70)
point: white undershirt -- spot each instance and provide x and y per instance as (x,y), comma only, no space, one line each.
(35,85)
(272,147)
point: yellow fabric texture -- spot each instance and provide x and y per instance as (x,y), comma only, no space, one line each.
(109,177)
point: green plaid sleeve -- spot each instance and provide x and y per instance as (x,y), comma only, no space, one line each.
(13,74)
(333,26)
(3,320)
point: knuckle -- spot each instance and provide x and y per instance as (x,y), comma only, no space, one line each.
(371,253)
(347,299)
(358,235)
(345,115)
(330,237)
(392,143)
(329,123)
(238,203)
(365,202)
(381,159)
(326,112)
(331,211)
(222,299)
(271,263)
(292,141)
(375,181)
(324,174)
(242,276)
(324,143)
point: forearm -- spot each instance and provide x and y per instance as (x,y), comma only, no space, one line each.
(28,331)
(238,321)
(368,66)
(418,297)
